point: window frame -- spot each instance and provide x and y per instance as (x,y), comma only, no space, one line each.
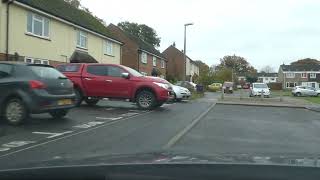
(42,20)
(304,75)
(292,75)
(82,34)
(109,45)
(162,64)
(144,57)
(313,75)
(154,61)
(108,70)
(42,61)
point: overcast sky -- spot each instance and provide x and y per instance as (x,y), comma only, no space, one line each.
(266,32)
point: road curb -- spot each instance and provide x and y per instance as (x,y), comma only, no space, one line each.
(181,133)
(262,105)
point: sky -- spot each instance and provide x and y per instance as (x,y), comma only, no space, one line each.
(265,32)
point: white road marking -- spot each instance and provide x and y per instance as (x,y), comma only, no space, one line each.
(180,134)
(111,119)
(70,135)
(53,135)
(89,124)
(110,109)
(4,149)
(14,144)
(129,114)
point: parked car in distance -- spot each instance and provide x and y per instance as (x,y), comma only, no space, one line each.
(305,91)
(93,82)
(258,89)
(32,89)
(180,93)
(246,86)
(227,87)
(239,86)
(215,87)
(186,84)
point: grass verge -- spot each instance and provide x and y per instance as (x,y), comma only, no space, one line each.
(196,95)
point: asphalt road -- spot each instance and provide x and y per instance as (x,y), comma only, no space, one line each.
(200,127)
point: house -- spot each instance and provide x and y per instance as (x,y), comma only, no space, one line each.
(51,32)
(179,68)
(267,77)
(139,55)
(242,78)
(295,75)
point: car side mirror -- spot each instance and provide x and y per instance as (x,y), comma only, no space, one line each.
(125,75)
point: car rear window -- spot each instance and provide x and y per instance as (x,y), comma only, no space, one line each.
(46,72)
(68,67)
(5,70)
(260,86)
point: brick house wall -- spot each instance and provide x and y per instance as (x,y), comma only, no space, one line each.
(148,67)
(129,53)
(175,62)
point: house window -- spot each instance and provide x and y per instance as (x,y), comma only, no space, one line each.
(291,84)
(109,48)
(82,39)
(272,79)
(36,61)
(313,75)
(290,75)
(303,75)
(162,63)
(37,25)
(154,61)
(143,57)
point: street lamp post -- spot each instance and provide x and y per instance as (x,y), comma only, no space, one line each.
(185,49)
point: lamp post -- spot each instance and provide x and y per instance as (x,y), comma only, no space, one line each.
(185,47)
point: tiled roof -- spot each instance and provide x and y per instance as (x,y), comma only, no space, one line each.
(65,11)
(180,52)
(305,67)
(142,45)
(267,74)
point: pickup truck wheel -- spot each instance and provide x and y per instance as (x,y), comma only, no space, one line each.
(146,100)
(59,113)
(79,97)
(15,111)
(91,102)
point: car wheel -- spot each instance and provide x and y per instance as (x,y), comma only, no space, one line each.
(298,94)
(91,102)
(79,97)
(59,113)
(146,100)
(15,111)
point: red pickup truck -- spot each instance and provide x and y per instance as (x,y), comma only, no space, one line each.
(93,82)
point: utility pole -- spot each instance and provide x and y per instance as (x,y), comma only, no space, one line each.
(185,49)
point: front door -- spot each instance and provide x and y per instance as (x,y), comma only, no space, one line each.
(94,80)
(117,86)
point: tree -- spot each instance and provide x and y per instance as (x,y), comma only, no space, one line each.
(239,64)
(205,76)
(141,31)
(267,69)
(224,74)
(306,61)
(251,78)
(74,3)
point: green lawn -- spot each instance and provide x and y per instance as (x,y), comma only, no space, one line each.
(276,93)
(196,95)
(312,99)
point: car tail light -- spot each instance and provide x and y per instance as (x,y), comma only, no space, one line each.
(34,84)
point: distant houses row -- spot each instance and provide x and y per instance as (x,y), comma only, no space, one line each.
(292,75)
(52,32)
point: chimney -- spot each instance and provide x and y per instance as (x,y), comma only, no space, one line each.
(174,44)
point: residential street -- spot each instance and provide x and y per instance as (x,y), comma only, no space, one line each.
(198,127)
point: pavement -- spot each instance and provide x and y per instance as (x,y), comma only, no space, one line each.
(200,126)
